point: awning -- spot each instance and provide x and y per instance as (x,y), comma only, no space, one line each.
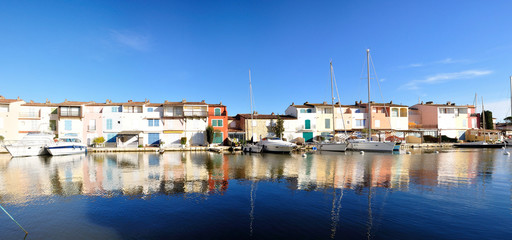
(129,132)
(173,131)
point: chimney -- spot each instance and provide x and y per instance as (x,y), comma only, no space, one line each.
(453,104)
(130,100)
(448,103)
(65,100)
(325,103)
(429,102)
(202,101)
(220,103)
(2,97)
(293,103)
(184,100)
(391,102)
(146,100)
(19,98)
(355,103)
(421,102)
(31,101)
(306,102)
(47,101)
(166,101)
(272,114)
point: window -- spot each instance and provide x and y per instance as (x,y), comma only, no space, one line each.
(403,112)
(4,108)
(111,137)
(53,125)
(217,123)
(67,125)
(92,124)
(360,123)
(309,111)
(303,111)
(132,109)
(153,123)
(327,123)
(464,123)
(54,111)
(117,109)
(217,111)
(394,112)
(327,110)
(377,123)
(109,124)
(70,111)
(463,111)
(307,124)
(1,123)
(150,109)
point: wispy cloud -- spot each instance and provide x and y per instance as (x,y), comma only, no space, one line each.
(130,39)
(500,109)
(444,77)
(443,61)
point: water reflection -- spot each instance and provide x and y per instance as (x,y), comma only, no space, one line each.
(138,175)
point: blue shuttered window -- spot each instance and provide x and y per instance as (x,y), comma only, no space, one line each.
(68,125)
(109,124)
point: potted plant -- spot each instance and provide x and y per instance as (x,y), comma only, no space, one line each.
(183,142)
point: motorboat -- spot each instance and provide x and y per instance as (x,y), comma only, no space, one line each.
(372,146)
(480,144)
(252,147)
(66,146)
(32,144)
(270,144)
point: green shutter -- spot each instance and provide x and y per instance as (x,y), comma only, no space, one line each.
(214,123)
(217,111)
(307,124)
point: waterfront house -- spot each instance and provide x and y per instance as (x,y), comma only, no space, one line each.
(70,119)
(185,119)
(306,120)
(9,112)
(450,119)
(93,122)
(218,119)
(38,117)
(261,126)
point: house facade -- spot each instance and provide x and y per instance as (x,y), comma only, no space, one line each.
(9,112)
(218,119)
(38,117)
(259,126)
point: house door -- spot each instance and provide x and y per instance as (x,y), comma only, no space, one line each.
(153,138)
(308,136)
(217,137)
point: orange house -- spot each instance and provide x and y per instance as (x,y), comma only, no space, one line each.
(218,118)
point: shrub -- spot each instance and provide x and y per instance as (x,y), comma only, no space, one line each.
(98,140)
(183,140)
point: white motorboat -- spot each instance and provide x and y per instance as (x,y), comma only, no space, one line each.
(252,147)
(276,145)
(375,146)
(66,146)
(33,144)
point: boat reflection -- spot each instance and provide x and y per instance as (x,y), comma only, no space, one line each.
(140,174)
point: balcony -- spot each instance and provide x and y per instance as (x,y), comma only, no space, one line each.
(192,113)
(29,115)
(302,127)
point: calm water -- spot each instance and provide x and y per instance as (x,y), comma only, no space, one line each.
(455,194)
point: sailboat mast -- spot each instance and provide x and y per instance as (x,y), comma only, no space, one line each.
(332,98)
(510,95)
(483,116)
(252,111)
(369,103)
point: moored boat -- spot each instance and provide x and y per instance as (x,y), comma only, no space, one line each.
(33,144)
(276,145)
(66,146)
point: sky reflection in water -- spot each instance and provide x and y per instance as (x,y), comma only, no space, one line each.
(453,194)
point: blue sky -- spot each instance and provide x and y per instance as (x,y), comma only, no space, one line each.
(95,50)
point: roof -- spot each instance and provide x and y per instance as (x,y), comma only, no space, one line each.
(216,105)
(34,104)
(3,100)
(390,104)
(448,104)
(130,103)
(73,103)
(183,103)
(266,116)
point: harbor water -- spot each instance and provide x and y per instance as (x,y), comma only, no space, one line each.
(453,194)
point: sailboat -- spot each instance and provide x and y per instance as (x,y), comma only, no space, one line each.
(368,144)
(333,145)
(251,147)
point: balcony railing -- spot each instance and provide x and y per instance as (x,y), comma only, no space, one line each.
(195,113)
(29,114)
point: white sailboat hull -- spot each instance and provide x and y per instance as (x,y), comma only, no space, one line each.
(277,146)
(333,147)
(372,146)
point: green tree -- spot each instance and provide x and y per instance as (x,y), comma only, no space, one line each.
(98,140)
(209,134)
(508,119)
(278,128)
(1,138)
(488,119)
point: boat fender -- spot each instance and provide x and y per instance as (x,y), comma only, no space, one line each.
(408,152)
(362,152)
(314,148)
